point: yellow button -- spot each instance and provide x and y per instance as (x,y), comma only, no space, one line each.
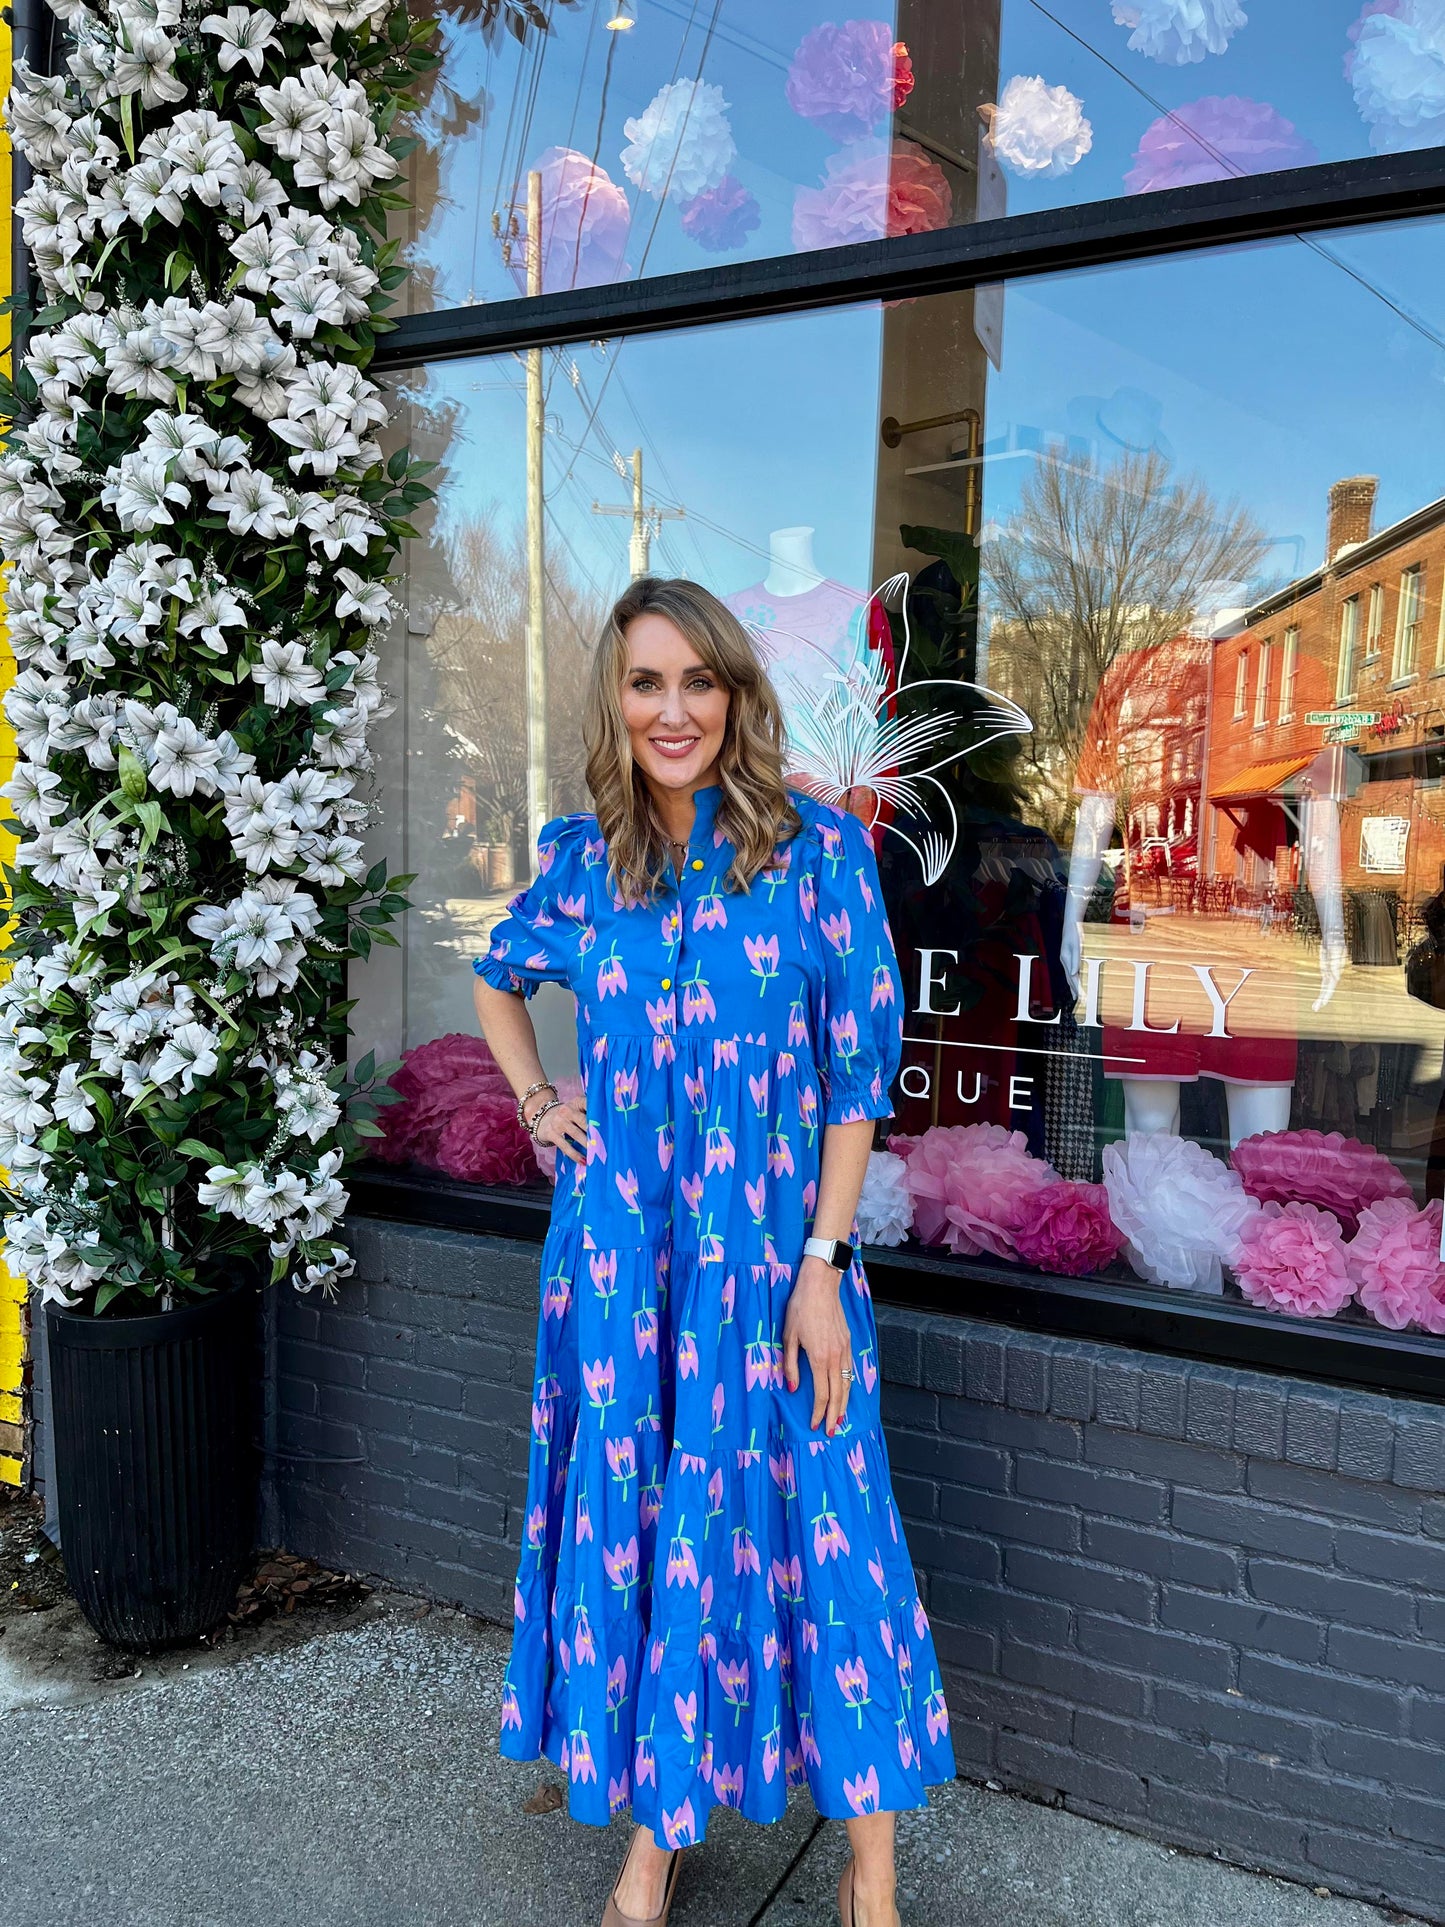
(697,863)
(667,983)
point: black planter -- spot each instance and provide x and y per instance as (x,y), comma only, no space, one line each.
(155,1470)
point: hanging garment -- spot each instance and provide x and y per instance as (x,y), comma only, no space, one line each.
(714,1602)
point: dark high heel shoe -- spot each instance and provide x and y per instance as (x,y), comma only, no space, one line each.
(613,1916)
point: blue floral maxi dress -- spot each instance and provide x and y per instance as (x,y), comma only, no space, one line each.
(714,1603)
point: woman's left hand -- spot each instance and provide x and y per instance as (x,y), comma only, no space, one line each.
(814,1322)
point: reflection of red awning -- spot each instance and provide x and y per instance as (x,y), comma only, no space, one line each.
(1259,779)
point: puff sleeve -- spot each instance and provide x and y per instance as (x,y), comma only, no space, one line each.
(537,940)
(860,1031)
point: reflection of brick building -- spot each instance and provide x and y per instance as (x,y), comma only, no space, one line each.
(1361,635)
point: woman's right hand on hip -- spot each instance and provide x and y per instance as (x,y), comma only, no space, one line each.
(565,1126)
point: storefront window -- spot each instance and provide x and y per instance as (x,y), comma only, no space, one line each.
(1075,594)
(656,136)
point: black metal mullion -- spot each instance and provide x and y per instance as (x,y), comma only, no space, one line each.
(1133,227)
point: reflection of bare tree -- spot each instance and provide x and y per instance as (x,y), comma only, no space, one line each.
(479,696)
(1099,560)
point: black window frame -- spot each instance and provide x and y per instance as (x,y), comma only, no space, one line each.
(1332,196)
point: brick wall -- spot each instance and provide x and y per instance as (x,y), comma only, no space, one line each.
(1204,1603)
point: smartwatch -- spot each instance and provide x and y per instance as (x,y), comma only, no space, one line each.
(833,1251)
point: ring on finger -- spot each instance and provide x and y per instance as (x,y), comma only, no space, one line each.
(845,1372)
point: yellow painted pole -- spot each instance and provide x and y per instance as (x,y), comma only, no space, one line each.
(12,1294)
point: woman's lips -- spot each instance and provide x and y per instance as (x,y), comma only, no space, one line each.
(674,747)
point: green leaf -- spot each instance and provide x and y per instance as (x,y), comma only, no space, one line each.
(366,1069)
(132,774)
(127,124)
(193,1148)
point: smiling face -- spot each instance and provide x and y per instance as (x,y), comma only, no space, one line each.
(674,706)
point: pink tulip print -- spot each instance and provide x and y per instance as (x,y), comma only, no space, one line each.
(697,1001)
(583,1766)
(649,1502)
(619,1795)
(935,1711)
(755,1190)
(645,1760)
(679,1826)
(694,1085)
(686,1710)
(751,1453)
(691,1189)
(772,1751)
(785,1476)
(788,1577)
(620,1565)
(808,1740)
(762,956)
(537,1530)
(725,1300)
(611,975)
(859,1470)
(644,1330)
(907,1751)
(600,1380)
(511,1709)
(542,1420)
(664,1147)
(795,1772)
(745,1553)
(852,1678)
(624,1090)
(681,1562)
(603,1267)
(732,1676)
(556,1295)
(687,1355)
(719,1152)
(838,930)
(711,912)
(758,1092)
(714,1498)
(629,1186)
(584,1647)
(881,993)
(844,1032)
(584,1518)
(710,1247)
(862,1793)
(622,1462)
(727,1784)
(780,1155)
(616,1690)
(719,1401)
(829,1538)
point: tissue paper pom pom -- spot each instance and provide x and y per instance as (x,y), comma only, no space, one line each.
(585,223)
(1176,32)
(1035,129)
(1068,1229)
(1291,1257)
(1215,139)
(869,190)
(846,79)
(483,1143)
(435,1079)
(885,1207)
(1394,1259)
(680,145)
(570,1090)
(1179,1208)
(1318,1167)
(721,218)
(1396,68)
(972,1185)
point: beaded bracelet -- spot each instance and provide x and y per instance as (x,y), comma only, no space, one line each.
(542,1110)
(542,1084)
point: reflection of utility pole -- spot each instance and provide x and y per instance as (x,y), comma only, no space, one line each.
(538,797)
(647,520)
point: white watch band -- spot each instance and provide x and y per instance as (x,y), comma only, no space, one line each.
(824,1248)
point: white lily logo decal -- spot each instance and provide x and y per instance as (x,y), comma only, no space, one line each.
(841,737)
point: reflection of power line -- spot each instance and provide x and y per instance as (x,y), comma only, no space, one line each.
(677,146)
(1241,173)
(734,36)
(647,519)
(651,446)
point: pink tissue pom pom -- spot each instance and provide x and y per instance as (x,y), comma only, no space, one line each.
(846,79)
(871,189)
(1317,1167)
(1215,139)
(586,219)
(1394,1259)
(484,1144)
(1291,1257)
(444,1059)
(722,217)
(972,1185)
(571,1091)
(1069,1230)
(438,1082)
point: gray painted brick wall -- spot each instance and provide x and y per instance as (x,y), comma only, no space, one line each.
(1201,1602)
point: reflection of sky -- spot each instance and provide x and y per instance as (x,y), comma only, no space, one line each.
(551,92)
(1269,371)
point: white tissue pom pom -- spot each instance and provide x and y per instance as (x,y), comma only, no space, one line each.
(885,1209)
(1037,129)
(1397,71)
(681,143)
(1176,32)
(1180,1208)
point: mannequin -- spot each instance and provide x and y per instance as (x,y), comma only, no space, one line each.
(1152,1103)
(791,569)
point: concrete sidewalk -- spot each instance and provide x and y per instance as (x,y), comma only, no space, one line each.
(353,1780)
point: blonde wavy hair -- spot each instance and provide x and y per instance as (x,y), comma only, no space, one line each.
(754,810)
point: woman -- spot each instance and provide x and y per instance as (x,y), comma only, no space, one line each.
(715,1602)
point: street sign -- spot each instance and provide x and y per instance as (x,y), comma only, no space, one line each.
(1342,718)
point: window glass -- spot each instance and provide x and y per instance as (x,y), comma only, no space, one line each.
(661,135)
(1165,873)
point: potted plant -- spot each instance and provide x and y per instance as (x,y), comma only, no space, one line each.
(200,525)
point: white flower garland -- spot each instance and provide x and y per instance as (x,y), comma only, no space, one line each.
(199,524)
